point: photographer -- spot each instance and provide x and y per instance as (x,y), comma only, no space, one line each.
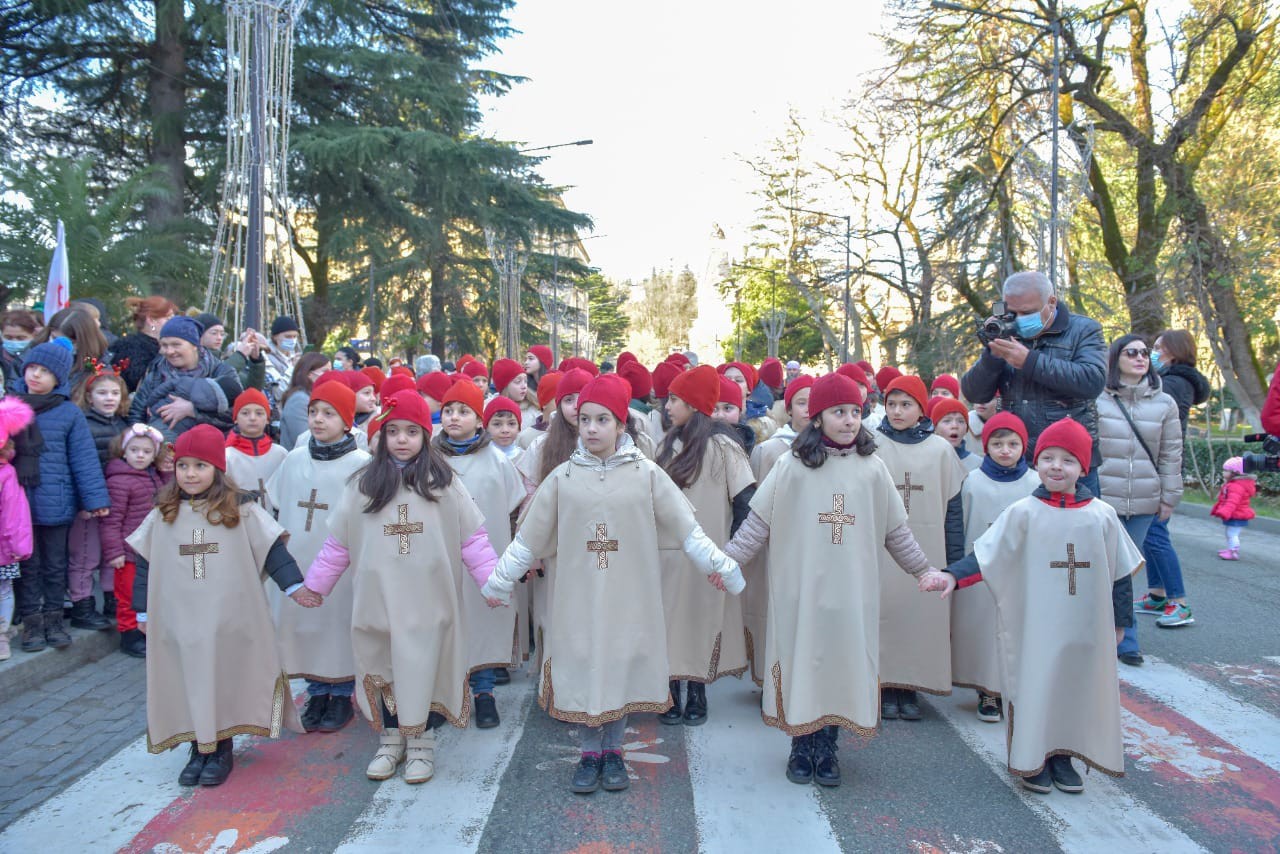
(1052,364)
(1271,408)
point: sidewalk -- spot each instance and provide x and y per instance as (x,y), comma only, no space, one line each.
(1201,511)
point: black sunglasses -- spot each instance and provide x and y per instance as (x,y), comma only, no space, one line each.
(1134,352)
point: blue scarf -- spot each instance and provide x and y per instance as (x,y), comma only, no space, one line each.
(460,448)
(1001,474)
(914,435)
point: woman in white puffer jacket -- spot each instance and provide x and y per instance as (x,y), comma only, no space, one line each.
(1141,471)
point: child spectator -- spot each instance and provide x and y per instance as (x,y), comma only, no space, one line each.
(1233,504)
(15,514)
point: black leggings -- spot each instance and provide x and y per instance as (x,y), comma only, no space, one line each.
(389,721)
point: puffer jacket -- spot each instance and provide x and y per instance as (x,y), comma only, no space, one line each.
(1187,386)
(1064,373)
(133,494)
(70,475)
(1130,482)
(104,428)
(212,387)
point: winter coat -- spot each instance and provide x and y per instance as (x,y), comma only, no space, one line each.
(104,429)
(211,386)
(1187,386)
(141,350)
(251,373)
(1130,482)
(133,494)
(293,418)
(1233,500)
(1064,373)
(70,475)
(15,518)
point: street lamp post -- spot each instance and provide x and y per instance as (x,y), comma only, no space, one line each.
(557,145)
(848,252)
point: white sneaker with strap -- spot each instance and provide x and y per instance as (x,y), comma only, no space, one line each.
(420,758)
(391,748)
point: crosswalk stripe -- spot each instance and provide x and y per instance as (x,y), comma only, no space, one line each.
(741,797)
(1245,727)
(1103,816)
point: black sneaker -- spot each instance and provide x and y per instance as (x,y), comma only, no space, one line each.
(586,779)
(133,643)
(695,704)
(826,767)
(800,764)
(501,676)
(675,714)
(889,704)
(337,715)
(1133,659)
(486,711)
(190,775)
(1064,776)
(908,706)
(613,773)
(1041,783)
(988,708)
(313,712)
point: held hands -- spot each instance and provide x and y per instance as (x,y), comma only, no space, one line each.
(306,597)
(935,580)
(1011,351)
(495,602)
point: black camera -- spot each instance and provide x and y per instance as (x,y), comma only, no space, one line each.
(1268,460)
(1001,324)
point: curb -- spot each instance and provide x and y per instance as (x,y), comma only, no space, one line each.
(1201,511)
(28,670)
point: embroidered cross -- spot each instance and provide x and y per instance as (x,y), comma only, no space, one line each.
(602,545)
(262,493)
(906,488)
(403,528)
(1070,565)
(311,507)
(197,550)
(837,519)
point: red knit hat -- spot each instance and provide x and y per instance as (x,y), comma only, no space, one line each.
(886,375)
(866,368)
(458,376)
(375,373)
(1069,435)
(771,373)
(504,372)
(833,390)
(357,380)
(581,364)
(500,404)
(465,393)
(402,371)
(662,376)
(948,382)
(748,373)
(543,352)
(475,368)
(203,442)
(624,357)
(638,375)
(341,398)
(330,377)
(940,407)
(1004,421)
(700,388)
(910,386)
(402,406)
(610,391)
(435,384)
(249,397)
(463,360)
(547,388)
(730,392)
(397,382)
(573,381)
(796,385)
(855,373)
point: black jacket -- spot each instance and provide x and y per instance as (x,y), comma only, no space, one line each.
(1062,377)
(1187,386)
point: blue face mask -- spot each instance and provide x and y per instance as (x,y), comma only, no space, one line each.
(337,364)
(1156,363)
(288,344)
(16,348)
(1030,325)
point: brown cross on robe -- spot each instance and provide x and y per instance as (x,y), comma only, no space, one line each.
(602,545)
(1070,565)
(196,551)
(837,519)
(403,528)
(906,488)
(311,507)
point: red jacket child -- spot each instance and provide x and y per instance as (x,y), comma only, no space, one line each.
(1234,497)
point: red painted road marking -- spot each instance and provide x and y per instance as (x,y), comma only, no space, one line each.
(1260,678)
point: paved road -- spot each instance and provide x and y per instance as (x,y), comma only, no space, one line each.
(1202,726)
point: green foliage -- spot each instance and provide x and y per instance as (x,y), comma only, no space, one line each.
(667,309)
(753,295)
(1203,458)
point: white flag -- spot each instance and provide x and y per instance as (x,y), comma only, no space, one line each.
(57,294)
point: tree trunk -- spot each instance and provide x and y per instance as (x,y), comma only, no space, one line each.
(439,326)
(167,91)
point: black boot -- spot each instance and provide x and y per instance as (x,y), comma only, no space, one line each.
(313,712)
(134,643)
(217,768)
(908,705)
(695,705)
(889,704)
(501,676)
(85,616)
(800,765)
(675,714)
(190,775)
(337,715)
(109,606)
(826,768)
(54,634)
(486,711)
(33,633)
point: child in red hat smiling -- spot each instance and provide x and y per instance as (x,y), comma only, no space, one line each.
(252,458)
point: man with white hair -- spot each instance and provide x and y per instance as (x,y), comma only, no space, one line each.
(1053,367)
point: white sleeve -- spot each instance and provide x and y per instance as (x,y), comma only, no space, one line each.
(699,548)
(514,563)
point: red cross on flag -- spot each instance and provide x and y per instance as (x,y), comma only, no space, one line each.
(57,294)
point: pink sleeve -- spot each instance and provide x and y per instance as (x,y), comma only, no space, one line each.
(327,568)
(479,557)
(15,518)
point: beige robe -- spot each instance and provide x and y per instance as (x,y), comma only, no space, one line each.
(407,628)
(361,433)
(537,587)
(971,463)
(492,633)
(212,666)
(1057,642)
(915,627)
(755,599)
(822,647)
(253,473)
(315,643)
(606,648)
(705,636)
(974,660)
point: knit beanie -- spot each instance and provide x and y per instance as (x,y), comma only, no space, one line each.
(855,373)
(624,357)
(330,377)
(250,396)
(465,393)
(1069,435)
(475,368)
(581,364)
(283,323)
(462,361)
(886,375)
(397,382)
(662,376)
(504,372)
(748,373)
(1233,465)
(940,407)
(376,375)
(435,384)
(679,359)
(181,326)
(913,387)
(638,375)
(771,373)
(500,404)
(401,371)
(866,368)
(796,385)
(340,397)
(203,442)
(207,321)
(833,390)
(610,391)
(547,388)
(700,388)
(357,380)
(402,406)
(543,352)
(948,382)
(57,355)
(730,392)
(1004,421)
(573,382)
